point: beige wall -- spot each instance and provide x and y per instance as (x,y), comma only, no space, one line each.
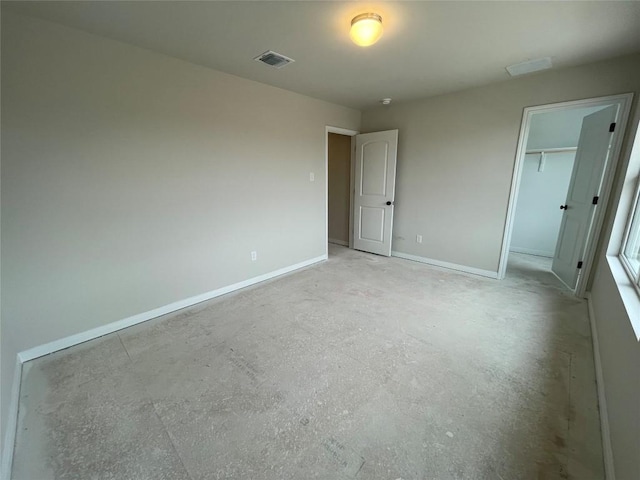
(339,186)
(456,156)
(620,358)
(619,350)
(131,180)
(455,161)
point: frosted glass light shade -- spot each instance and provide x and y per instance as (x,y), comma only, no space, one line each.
(366,29)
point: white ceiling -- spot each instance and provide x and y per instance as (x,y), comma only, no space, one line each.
(428,48)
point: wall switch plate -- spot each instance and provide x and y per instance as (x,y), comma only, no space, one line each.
(254,256)
(419,238)
(312,177)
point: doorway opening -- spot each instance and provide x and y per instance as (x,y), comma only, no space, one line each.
(361,189)
(339,175)
(565,162)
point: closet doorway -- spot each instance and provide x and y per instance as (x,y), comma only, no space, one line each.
(340,143)
(562,179)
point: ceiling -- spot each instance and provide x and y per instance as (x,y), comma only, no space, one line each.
(428,48)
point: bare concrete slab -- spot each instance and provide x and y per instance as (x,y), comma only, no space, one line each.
(362,367)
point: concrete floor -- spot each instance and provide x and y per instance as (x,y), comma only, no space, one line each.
(361,367)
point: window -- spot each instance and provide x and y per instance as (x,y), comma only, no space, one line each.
(631,246)
(630,253)
(623,252)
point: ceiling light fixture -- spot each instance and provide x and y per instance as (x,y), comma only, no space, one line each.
(385,101)
(366,29)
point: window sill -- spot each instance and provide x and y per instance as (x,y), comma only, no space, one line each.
(628,292)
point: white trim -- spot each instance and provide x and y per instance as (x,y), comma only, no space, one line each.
(628,292)
(350,133)
(447,265)
(342,131)
(607,450)
(338,242)
(352,187)
(82,337)
(627,198)
(624,102)
(531,251)
(605,193)
(61,344)
(12,423)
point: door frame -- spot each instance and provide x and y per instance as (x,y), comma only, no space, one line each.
(349,133)
(624,101)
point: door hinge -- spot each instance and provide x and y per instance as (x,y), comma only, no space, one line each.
(595,200)
(612,127)
(580,264)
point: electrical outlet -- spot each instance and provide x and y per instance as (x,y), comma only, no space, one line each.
(419,238)
(254,256)
(312,177)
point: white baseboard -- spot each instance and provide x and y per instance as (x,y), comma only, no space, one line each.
(607,449)
(450,266)
(338,242)
(12,423)
(82,337)
(61,344)
(531,251)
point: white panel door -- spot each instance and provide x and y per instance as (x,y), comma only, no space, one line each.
(586,181)
(375,182)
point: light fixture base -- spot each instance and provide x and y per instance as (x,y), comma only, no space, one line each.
(364,16)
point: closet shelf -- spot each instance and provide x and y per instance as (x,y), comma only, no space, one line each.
(552,150)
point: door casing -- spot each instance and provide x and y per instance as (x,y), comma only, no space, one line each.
(352,134)
(624,101)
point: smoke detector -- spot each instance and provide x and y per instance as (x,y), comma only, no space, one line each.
(385,101)
(274,59)
(529,66)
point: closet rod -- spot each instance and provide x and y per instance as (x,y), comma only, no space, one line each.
(553,150)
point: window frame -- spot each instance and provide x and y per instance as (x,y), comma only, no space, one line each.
(634,277)
(628,206)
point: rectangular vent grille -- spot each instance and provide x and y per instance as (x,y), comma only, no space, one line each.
(274,59)
(529,66)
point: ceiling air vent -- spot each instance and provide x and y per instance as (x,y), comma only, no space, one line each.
(529,66)
(274,59)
